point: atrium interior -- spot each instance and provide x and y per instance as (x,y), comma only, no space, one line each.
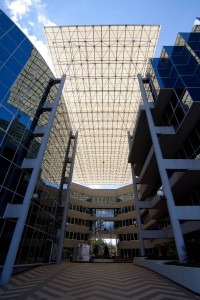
(111,115)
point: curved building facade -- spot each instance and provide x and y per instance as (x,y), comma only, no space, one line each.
(27,91)
(104,214)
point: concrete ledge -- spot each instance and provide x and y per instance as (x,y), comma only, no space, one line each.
(112,260)
(123,260)
(186,276)
(22,268)
(102,260)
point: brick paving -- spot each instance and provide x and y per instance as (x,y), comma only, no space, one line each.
(92,281)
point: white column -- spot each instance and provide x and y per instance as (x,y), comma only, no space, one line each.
(178,235)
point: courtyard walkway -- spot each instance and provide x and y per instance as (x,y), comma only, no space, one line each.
(92,281)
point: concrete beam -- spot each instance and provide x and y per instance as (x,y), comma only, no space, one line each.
(40,130)
(154,234)
(182,164)
(48,106)
(145,204)
(28,163)
(164,130)
(188,212)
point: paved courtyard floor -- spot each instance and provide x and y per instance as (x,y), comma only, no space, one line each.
(92,281)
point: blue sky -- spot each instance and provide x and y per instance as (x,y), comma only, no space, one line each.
(32,15)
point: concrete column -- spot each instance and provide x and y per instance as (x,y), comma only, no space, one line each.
(65,209)
(136,201)
(14,245)
(139,223)
(178,235)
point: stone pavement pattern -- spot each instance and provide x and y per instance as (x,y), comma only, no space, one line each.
(92,281)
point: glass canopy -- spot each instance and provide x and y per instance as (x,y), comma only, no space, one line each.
(101,92)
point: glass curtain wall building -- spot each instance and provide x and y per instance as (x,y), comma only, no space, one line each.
(25,79)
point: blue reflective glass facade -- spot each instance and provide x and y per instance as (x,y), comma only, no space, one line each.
(15,52)
(24,78)
(178,67)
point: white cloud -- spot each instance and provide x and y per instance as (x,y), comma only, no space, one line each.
(197,21)
(30,15)
(45,21)
(31,23)
(18,8)
(39,45)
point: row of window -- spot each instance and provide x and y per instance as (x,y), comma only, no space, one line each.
(129,253)
(104,225)
(80,222)
(79,208)
(127,222)
(100,199)
(76,236)
(102,212)
(128,237)
(104,200)
(126,209)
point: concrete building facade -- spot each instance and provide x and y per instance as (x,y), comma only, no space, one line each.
(164,148)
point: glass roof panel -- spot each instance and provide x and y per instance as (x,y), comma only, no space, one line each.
(101,92)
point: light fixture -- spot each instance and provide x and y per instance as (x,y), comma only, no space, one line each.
(160,193)
(27,177)
(135,223)
(35,196)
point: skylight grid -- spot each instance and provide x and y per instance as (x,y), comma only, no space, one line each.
(101,92)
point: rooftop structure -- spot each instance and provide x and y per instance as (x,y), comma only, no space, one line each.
(101,92)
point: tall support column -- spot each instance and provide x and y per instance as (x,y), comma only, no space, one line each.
(64,180)
(68,160)
(137,209)
(24,208)
(178,235)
